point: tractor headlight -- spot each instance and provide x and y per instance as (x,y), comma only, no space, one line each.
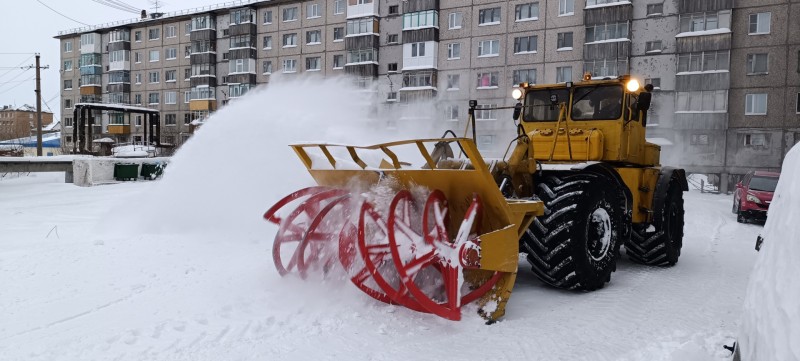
(633,85)
(752,198)
(516,94)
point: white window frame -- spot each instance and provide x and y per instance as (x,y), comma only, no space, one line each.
(518,11)
(494,80)
(761,21)
(418,50)
(339,7)
(494,10)
(559,74)
(174,52)
(494,48)
(453,51)
(566,7)
(750,65)
(453,82)
(313,11)
(170,98)
(155,58)
(171,31)
(293,37)
(293,12)
(750,103)
(454,20)
(653,46)
(293,68)
(656,13)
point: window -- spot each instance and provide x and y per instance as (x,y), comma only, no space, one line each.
(242,41)
(187,51)
(67,46)
(485,141)
(755,140)
(362,26)
(454,51)
(170,31)
(338,7)
(699,139)
(392,67)
(204,70)
(653,46)
(154,77)
(566,7)
(760,23)
(67,65)
(187,96)
(489,16)
(313,37)
(268,17)
(525,12)
(68,103)
(313,64)
(68,123)
(338,61)
(153,55)
(154,34)
(655,9)
(137,57)
(170,76)
(418,79)
(152,98)
(138,78)
(394,9)
(290,14)
(87,39)
(488,80)
(187,28)
(451,112)
(238,90)
(172,53)
(756,104)
(392,39)
(391,96)
(137,99)
(338,34)
(268,42)
(421,19)
(563,74)
(486,112)
(453,81)
(564,41)
(170,98)
(705,21)
(655,82)
(237,66)
(708,61)
(289,40)
(524,76)
(525,44)
(289,65)
(489,48)
(68,84)
(454,20)
(267,67)
(362,56)
(169,119)
(757,64)
(604,32)
(137,36)
(417,50)
(312,11)
(709,101)
(797,104)
(187,73)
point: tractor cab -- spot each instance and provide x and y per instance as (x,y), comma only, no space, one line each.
(590,120)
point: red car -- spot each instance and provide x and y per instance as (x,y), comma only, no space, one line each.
(753,195)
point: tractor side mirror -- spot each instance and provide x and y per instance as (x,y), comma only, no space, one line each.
(517,111)
(643,103)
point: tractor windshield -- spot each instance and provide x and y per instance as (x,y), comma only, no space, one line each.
(539,105)
(597,103)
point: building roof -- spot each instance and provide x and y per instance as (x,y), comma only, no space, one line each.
(21,108)
(164,17)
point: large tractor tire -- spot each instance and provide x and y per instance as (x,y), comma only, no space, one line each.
(575,244)
(661,244)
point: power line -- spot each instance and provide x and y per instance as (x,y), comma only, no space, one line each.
(18,81)
(18,75)
(57,12)
(11,88)
(124,4)
(118,7)
(17,53)
(18,65)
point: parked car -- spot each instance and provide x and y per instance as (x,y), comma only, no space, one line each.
(753,195)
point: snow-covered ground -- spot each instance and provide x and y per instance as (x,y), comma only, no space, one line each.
(181,268)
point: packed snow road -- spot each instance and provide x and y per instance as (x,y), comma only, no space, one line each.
(82,279)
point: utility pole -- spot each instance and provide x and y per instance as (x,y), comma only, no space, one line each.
(38,104)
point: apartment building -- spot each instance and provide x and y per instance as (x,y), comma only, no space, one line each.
(20,122)
(726,74)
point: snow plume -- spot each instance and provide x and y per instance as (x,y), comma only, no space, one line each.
(771,320)
(239,163)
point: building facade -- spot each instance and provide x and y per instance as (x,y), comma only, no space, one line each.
(20,122)
(726,74)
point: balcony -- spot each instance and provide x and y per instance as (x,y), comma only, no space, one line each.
(362,8)
(412,60)
(121,129)
(119,65)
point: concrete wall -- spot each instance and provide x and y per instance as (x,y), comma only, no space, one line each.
(94,171)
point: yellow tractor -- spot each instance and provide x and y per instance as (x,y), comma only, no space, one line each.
(431,225)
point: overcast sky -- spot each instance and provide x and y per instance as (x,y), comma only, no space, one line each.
(29,27)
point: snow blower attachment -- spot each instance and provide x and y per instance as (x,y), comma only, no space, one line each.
(431,237)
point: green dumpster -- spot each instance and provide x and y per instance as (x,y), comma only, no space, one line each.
(152,170)
(126,171)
